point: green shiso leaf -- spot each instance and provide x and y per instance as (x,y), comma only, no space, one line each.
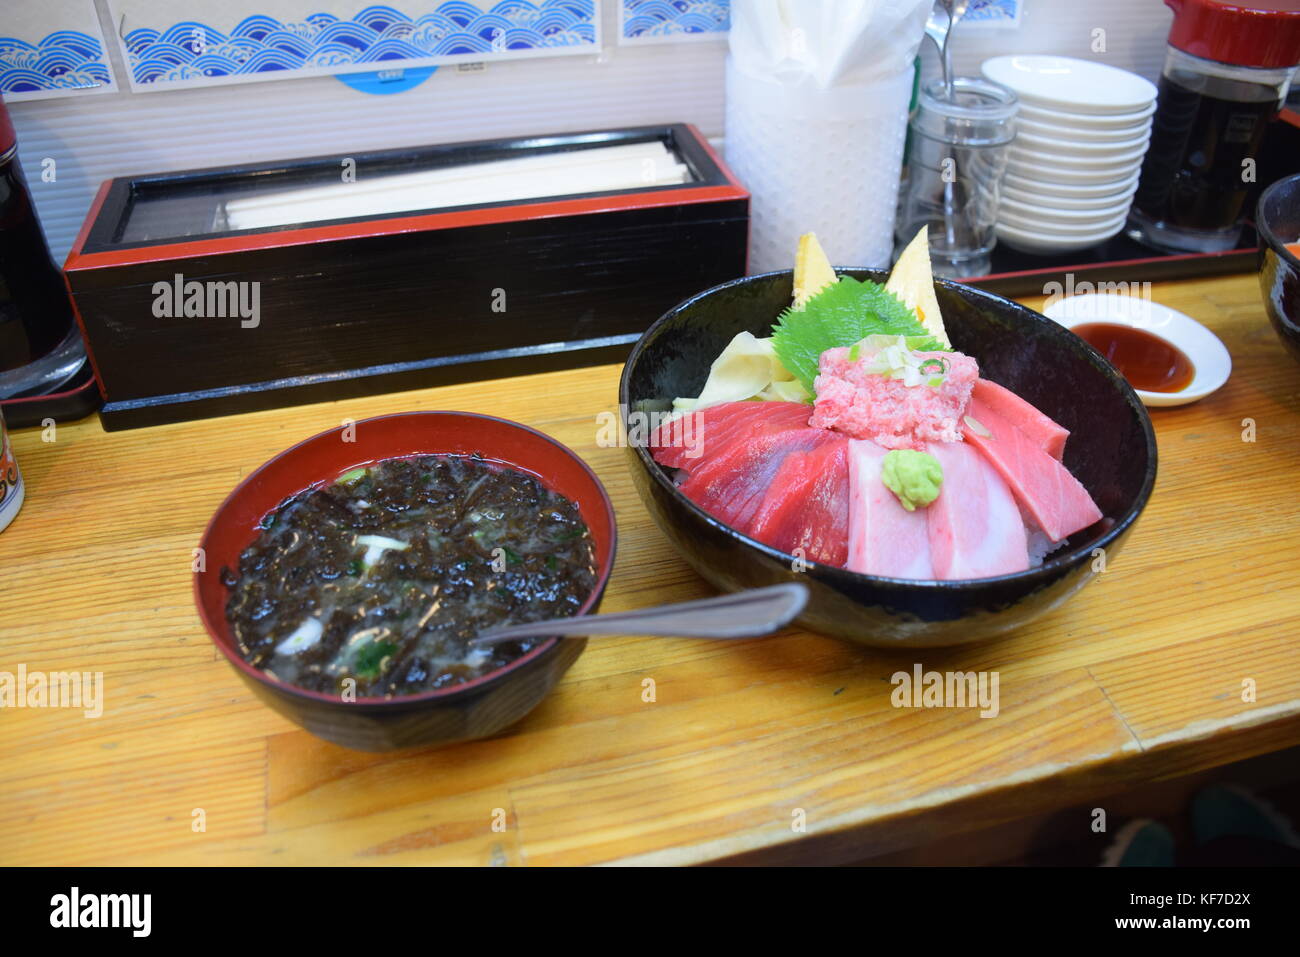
(843,313)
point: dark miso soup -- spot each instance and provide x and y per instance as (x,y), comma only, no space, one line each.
(376,583)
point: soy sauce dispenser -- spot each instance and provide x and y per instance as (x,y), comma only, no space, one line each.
(40,345)
(1228,67)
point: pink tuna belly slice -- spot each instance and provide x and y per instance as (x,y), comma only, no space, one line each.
(884,538)
(974,525)
(1044,487)
(1040,428)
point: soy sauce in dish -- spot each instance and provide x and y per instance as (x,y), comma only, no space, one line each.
(1146,361)
(376,583)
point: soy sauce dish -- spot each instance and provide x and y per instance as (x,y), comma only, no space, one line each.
(1167,356)
(345,579)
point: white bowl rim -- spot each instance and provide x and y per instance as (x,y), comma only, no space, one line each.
(1063,160)
(1071,190)
(1099,135)
(1080,177)
(1047,228)
(1064,204)
(1034,141)
(1083,85)
(1100,121)
(1044,246)
(1066,217)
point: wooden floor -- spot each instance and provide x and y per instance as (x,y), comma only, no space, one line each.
(785,749)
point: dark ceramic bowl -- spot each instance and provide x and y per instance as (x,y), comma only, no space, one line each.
(475,709)
(1277,220)
(1112,451)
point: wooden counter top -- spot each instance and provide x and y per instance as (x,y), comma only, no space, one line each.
(1140,677)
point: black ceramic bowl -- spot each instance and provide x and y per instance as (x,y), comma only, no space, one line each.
(475,709)
(1277,220)
(1112,451)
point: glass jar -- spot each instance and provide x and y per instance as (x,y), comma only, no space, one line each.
(1226,75)
(957,154)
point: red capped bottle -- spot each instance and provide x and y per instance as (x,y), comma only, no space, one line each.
(1227,71)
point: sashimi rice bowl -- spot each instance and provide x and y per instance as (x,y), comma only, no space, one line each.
(938,464)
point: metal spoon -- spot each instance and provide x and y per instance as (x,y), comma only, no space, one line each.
(742,614)
(938,27)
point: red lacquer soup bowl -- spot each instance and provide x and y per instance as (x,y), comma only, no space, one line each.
(475,709)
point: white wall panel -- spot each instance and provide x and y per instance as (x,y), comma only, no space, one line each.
(92,138)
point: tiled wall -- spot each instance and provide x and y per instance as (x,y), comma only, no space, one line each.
(641,73)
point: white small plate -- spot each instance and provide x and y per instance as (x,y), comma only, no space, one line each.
(1041,212)
(1085,204)
(1038,187)
(1208,354)
(1086,121)
(1048,226)
(1058,82)
(1037,172)
(1073,162)
(1049,143)
(1064,131)
(1044,244)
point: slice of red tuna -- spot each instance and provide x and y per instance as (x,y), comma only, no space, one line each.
(974,526)
(1044,487)
(884,538)
(806,509)
(731,485)
(1040,428)
(687,439)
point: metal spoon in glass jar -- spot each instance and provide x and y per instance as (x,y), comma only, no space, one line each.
(742,614)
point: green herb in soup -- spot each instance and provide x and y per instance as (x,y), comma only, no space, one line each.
(376,583)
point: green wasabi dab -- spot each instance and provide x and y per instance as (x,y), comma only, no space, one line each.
(914,477)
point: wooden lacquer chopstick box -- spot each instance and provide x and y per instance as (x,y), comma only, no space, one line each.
(226,290)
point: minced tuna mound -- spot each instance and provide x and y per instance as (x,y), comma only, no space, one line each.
(892,414)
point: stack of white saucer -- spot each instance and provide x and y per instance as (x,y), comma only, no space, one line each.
(1082,132)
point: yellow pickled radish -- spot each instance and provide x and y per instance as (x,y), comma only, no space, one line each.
(913,282)
(812,269)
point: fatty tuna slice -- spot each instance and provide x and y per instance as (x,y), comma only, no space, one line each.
(807,505)
(1039,428)
(686,440)
(1045,489)
(884,538)
(974,526)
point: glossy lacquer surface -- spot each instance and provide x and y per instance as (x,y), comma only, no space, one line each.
(1278,222)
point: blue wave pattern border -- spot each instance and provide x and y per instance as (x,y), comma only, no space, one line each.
(643,19)
(993,11)
(64,60)
(378,34)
